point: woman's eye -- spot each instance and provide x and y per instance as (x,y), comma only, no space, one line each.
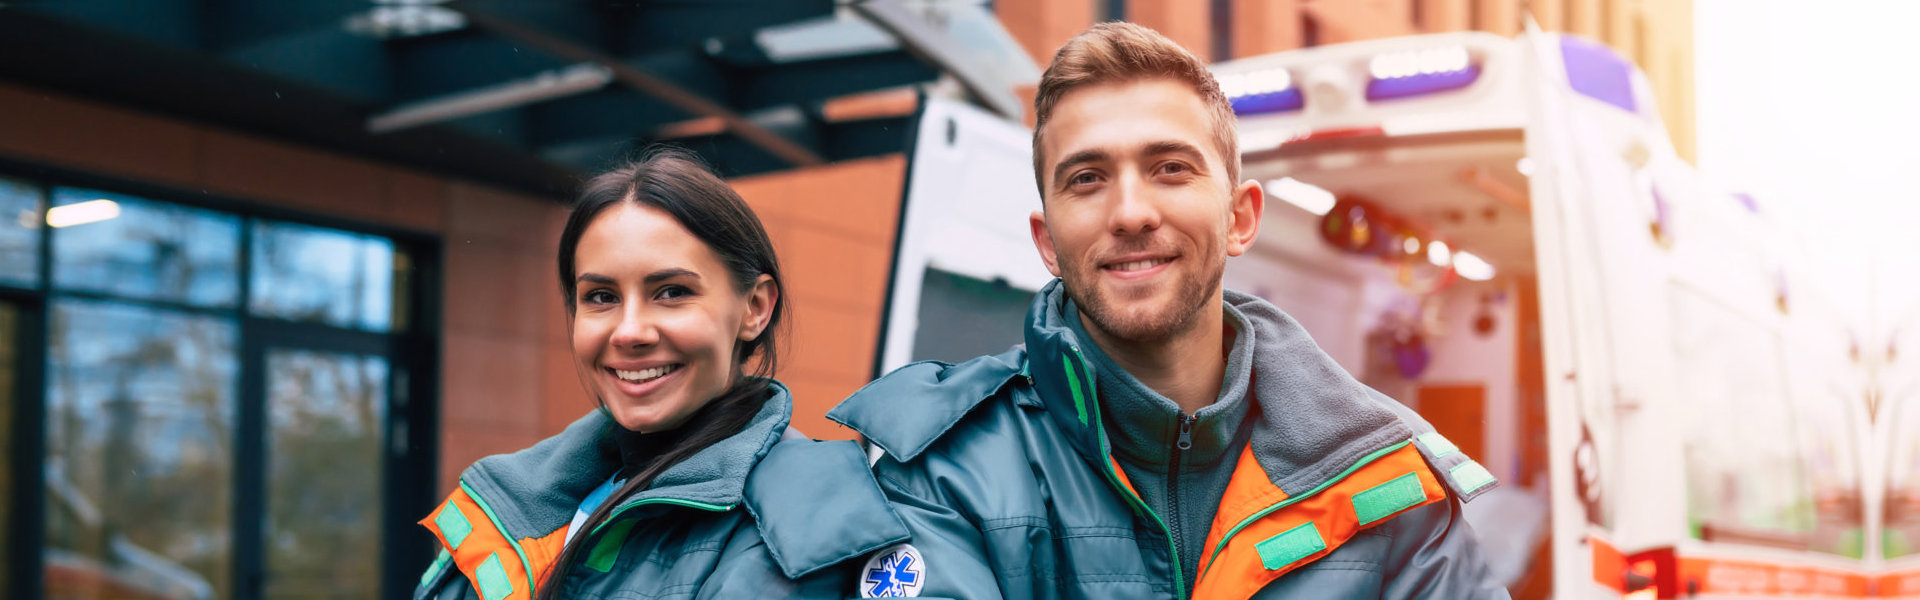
(672,292)
(599,297)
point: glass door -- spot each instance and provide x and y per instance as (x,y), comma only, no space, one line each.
(324,472)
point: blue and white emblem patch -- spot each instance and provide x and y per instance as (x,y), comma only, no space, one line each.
(896,572)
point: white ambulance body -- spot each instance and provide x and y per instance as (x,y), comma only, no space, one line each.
(1498,233)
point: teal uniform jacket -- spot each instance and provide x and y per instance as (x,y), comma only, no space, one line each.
(753,516)
(1002,470)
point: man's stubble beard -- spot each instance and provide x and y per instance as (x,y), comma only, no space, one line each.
(1191,297)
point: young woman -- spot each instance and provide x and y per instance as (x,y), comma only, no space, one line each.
(687,482)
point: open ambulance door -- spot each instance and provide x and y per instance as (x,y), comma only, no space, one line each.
(1600,238)
(964,267)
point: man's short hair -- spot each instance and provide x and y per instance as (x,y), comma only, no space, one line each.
(1120,52)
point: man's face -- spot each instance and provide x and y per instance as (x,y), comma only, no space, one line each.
(1139,215)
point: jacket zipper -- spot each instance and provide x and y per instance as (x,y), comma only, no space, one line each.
(1174,520)
(1100,433)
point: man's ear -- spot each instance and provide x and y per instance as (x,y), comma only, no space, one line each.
(1043,241)
(1243,216)
(760,302)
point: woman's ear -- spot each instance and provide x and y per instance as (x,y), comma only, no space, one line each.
(760,302)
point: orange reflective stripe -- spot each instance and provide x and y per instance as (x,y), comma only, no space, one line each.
(544,551)
(491,563)
(1238,572)
(1249,491)
(1122,475)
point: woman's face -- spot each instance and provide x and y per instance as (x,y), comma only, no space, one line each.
(657,317)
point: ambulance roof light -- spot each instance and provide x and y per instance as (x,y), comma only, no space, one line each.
(1417,72)
(1263,91)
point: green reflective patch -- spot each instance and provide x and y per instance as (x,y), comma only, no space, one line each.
(1382,501)
(493,579)
(1073,384)
(454,525)
(1470,476)
(607,550)
(1438,444)
(1290,546)
(433,571)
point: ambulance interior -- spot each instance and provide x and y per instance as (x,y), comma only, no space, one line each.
(1353,240)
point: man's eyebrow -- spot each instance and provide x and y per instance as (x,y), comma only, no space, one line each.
(1076,159)
(1174,147)
(666,274)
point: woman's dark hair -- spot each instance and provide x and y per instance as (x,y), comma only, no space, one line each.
(678,183)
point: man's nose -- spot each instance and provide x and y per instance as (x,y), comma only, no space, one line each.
(1134,211)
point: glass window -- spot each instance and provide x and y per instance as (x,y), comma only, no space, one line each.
(962,317)
(124,246)
(323,276)
(325,416)
(139,434)
(1746,483)
(19,222)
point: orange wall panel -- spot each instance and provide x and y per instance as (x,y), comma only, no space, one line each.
(1186,22)
(1042,26)
(1265,27)
(1438,16)
(833,228)
(72,133)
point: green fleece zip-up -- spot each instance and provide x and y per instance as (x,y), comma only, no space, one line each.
(1181,484)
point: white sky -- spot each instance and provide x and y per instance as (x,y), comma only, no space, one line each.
(1814,105)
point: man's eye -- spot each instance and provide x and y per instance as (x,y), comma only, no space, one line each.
(1173,168)
(1083,178)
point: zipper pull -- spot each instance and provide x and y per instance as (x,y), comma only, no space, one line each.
(1186,432)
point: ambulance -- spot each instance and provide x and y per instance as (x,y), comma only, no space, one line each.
(1498,233)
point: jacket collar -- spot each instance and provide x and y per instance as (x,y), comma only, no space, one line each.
(1315,420)
(535,491)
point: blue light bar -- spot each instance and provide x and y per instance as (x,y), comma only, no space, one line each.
(1270,102)
(1596,72)
(1421,84)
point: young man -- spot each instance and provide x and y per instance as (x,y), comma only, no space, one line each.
(1157,436)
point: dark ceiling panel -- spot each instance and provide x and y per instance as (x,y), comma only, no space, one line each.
(61,56)
(442,64)
(597,114)
(170,22)
(816,80)
(646,27)
(353,66)
(232,25)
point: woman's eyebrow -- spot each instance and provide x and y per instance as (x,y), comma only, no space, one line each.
(665,274)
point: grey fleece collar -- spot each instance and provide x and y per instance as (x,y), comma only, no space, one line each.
(1315,420)
(1143,425)
(535,491)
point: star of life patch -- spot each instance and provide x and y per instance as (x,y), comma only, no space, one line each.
(896,572)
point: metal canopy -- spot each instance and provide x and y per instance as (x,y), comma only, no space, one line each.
(528,94)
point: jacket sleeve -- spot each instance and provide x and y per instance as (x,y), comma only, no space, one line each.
(952,549)
(1436,555)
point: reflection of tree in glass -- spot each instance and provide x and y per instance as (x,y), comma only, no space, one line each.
(324,480)
(140,425)
(152,250)
(322,276)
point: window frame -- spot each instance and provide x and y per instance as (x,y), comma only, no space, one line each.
(413,355)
